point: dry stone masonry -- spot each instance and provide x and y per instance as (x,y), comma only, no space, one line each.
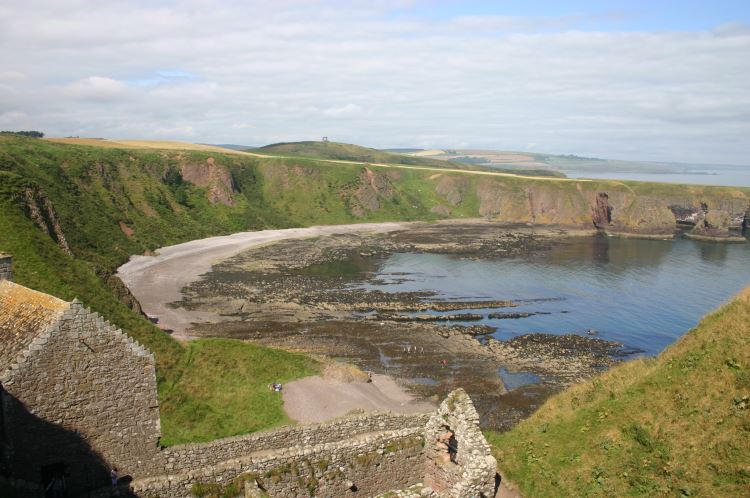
(458,459)
(78,397)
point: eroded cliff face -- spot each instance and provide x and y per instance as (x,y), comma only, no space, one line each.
(644,216)
(618,208)
(689,211)
(602,212)
(373,186)
(213,176)
(453,188)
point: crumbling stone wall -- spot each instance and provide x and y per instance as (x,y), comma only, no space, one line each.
(363,455)
(193,456)
(364,465)
(6,267)
(83,396)
(81,399)
(458,459)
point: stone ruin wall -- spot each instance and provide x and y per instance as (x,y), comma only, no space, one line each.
(188,457)
(363,455)
(365,465)
(458,459)
(93,405)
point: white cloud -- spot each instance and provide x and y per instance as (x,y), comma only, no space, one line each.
(200,70)
(11,76)
(342,111)
(95,88)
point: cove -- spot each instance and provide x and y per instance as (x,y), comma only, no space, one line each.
(643,293)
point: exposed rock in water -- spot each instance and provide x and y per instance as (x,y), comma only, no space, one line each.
(472,330)
(572,357)
(458,317)
(427,305)
(713,224)
(510,315)
(645,216)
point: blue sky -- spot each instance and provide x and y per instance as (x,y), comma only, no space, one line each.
(634,15)
(632,80)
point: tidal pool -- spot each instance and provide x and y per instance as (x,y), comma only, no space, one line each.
(643,293)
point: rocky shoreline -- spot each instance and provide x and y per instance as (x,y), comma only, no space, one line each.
(298,295)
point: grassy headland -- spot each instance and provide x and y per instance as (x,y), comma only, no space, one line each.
(350,152)
(676,425)
(70,214)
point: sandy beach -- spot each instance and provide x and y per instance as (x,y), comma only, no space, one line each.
(315,399)
(158,280)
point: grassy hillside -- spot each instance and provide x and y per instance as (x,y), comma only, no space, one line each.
(350,152)
(677,425)
(91,191)
(71,214)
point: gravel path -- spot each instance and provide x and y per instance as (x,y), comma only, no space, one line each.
(158,280)
(315,399)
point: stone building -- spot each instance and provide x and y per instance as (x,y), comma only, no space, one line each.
(78,395)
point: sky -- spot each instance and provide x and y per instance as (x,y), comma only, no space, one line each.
(640,80)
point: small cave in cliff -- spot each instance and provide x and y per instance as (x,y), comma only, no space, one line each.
(602,216)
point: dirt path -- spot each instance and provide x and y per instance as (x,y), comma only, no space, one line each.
(158,280)
(315,399)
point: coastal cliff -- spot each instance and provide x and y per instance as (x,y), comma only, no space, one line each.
(134,200)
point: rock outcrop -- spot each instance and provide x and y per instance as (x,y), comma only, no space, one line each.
(217,179)
(42,212)
(373,186)
(713,225)
(602,211)
(453,188)
(644,216)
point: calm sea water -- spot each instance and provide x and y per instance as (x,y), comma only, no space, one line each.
(643,293)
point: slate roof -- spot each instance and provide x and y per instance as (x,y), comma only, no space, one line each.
(24,314)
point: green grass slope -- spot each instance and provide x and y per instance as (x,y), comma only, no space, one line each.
(111,202)
(676,425)
(233,399)
(200,385)
(350,152)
